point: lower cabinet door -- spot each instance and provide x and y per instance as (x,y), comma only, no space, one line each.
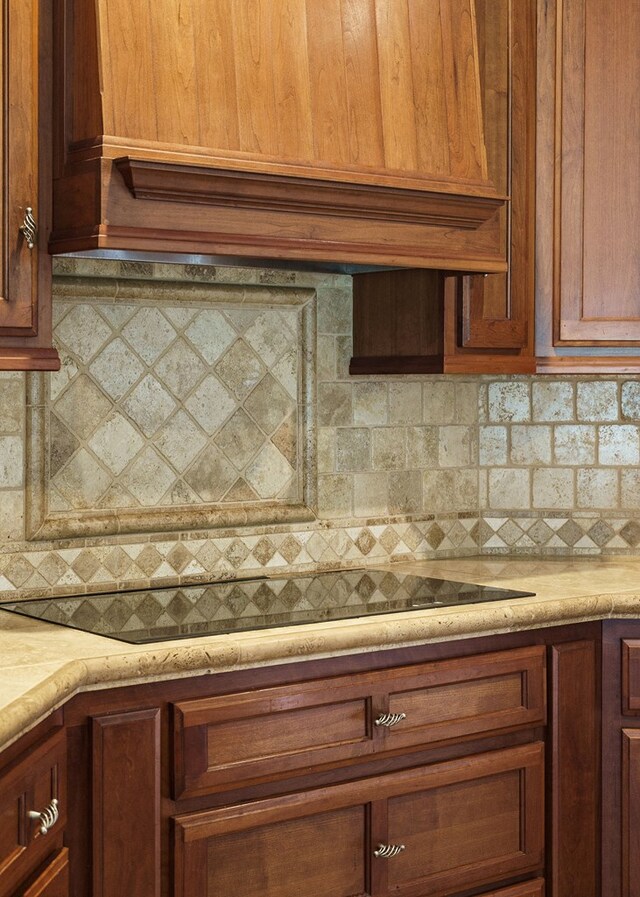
(53,881)
(425,832)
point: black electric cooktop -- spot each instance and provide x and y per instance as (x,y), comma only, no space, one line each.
(154,615)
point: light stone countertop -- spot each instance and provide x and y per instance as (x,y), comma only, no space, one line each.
(42,665)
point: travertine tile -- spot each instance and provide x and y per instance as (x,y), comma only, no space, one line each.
(422,447)
(370,404)
(552,401)
(211,404)
(240,369)
(553,488)
(509,401)
(405,403)
(84,330)
(454,448)
(11,406)
(370,494)
(509,488)
(11,462)
(630,400)
(389,448)
(334,311)
(11,516)
(335,496)
(438,490)
(575,444)
(618,444)
(493,446)
(530,445)
(597,488)
(438,402)
(116,443)
(353,449)
(630,489)
(597,401)
(269,473)
(467,397)
(334,405)
(116,369)
(150,405)
(211,334)
(149,333)
(405,492)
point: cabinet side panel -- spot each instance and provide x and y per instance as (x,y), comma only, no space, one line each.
(574,771)
(126,804)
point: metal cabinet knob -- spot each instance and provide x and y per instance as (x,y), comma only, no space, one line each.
(47,818)
(389,720)
(29,228)
(385,851)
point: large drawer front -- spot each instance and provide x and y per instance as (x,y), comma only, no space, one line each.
(631,676)
(31,786)
(271,733)
(464,824)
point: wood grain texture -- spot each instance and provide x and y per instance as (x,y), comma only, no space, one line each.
(574,787)
(53,881)
(630,811)
(126,804)
(597,221)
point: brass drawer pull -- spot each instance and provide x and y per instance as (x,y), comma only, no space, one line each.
(388,720)
(29,228)
(47,818)
(385,851)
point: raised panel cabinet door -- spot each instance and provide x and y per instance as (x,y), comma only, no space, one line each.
(53,881)
(25,267)
(597,215)
(630,812)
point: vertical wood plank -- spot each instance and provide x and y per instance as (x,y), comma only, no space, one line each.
(218,110)
(126,804)
(467,151)
(432,135)
(292,91)
(327,77)
(175,73)
(574,772)
(630,811)
(396,84)
(366,143)
(252,40)
(125,66)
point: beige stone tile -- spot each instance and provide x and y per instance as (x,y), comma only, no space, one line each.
(326,450)
(389,448)
(438,402)
(83,406)
(59,380)
(597,488)
(116,443)
(84,332)
(326,357)
(422,447)
(11,516)
(553,489)
(212,475)
(575,444)
(438,491)
(454,446)
(269,472)
(597,401)
(493,446)
(618,445)
(530,445)
(334,405)
(286,440)
(149,405)
(405,492)
(83,480)
(148,478)
(149,333)
(552,400)
(12,405)
(285,371)
(467,490)
(240,369)
(270,336)
(630,399)
(181,369)
(211,334)
(509,401)
(405,403)
(370,404)
(630,489)
(116,369)
(335,496)
(467,400)
(344,354)
(509,488)
(370,494)
(240,439)
(269,404)
(211,404)
(180,440)
(11,462)
(334,311)
(353,449)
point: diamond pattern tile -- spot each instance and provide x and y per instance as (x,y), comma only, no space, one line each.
(149,333)
(240,369)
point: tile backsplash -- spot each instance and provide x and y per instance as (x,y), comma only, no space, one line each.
(204,424)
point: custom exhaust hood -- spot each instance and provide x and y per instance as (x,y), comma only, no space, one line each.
(315,131)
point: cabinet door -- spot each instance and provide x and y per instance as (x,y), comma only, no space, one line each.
(53,881)
(25,267)
(597,220)
(424,832)
(630,812)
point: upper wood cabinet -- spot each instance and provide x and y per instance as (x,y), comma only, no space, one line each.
(25,184)
(340,130)
(589,191)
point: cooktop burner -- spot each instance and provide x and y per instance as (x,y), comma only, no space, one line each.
(153,615)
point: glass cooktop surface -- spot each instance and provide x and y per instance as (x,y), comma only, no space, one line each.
(153,615)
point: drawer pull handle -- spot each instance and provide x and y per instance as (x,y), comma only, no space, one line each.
(29,228)
(389,720)
(385,851)
(47,818)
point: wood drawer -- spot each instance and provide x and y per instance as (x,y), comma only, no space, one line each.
(527,889)
(631,676)
(52,881)
(272,733)
(31,785)
(465,823)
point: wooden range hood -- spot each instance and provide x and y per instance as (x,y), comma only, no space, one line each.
(346,131)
